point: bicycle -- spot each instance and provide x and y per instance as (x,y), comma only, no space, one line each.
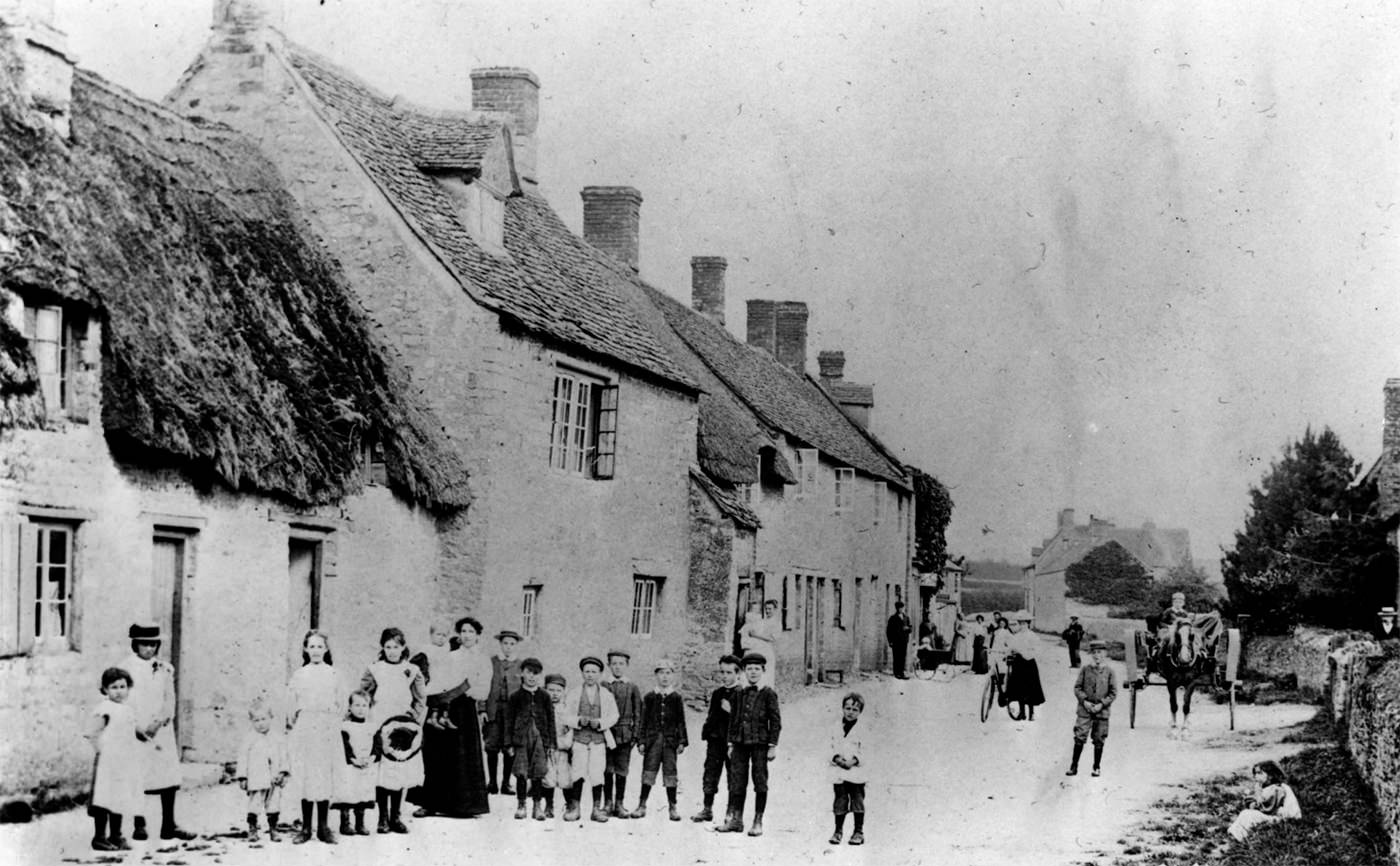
(994,690)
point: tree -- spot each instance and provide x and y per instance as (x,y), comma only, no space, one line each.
(1312,549)
(1108,574)
(933,508)
(1189,580)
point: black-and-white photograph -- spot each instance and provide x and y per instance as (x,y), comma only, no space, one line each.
(699,432)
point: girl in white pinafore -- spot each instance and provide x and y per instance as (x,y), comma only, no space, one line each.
(314,714)
(117,773)
(397,688)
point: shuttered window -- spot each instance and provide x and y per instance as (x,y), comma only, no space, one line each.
(39,584)
(583,425)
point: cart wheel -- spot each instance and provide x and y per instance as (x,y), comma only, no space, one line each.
(1232,706)
(989,696)
(1132,706)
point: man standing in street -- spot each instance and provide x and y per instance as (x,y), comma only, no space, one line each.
(1073,636)
(897,632)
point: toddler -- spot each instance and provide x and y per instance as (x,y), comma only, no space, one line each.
(263,768)
(117,777)
(355,777)
(560,774)
(433,663)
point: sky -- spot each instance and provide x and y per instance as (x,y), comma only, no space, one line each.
(1103,256)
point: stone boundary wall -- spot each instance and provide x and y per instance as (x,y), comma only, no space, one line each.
(1364,694)
(1302,654)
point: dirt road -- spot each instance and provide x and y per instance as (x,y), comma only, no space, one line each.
(946,788)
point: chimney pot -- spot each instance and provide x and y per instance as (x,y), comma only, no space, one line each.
(515,92)
(612,221)
(1067,518)
(707,286)
(780,329)
(831,364)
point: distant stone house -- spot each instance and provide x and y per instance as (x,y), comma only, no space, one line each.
(197,427)
(794,500)
(575,423)
(1159,551)
(1386,470)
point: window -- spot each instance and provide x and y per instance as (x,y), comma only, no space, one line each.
(899,509)
(583,430)
(881,491)
(745,493)
(55,340)
(760,590)
(845,488)
(646,592)
(806,471)
(787,626)
(36,606)
(530,612)
(372,467)
(836,603)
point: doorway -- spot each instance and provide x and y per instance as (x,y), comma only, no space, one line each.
(171,565)
(304,560)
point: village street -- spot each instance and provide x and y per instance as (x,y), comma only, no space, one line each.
(945,789)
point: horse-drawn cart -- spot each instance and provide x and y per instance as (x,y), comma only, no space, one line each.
(1185,659)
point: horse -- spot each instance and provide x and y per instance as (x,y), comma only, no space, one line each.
(1179,662)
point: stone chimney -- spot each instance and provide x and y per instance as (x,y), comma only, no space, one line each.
(1066,518)
(1390,433)
(612,217)
(707,286)
(515,92)
(780,329)
(831,365)
(45,76)
(1388,482)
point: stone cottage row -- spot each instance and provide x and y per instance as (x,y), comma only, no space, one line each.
(285,353)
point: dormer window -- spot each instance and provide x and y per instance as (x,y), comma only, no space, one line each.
(57,334)
(480,209)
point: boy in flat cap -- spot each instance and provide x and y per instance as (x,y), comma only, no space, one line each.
(590,711)
(152,701)
(628,698)
(715,733)
(1094,689)
(561,775)
(505,681)
(754,725)
(530,737)
(662,737)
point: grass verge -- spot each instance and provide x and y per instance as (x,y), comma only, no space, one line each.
(1340,822)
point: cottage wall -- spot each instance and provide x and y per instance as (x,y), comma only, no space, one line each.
(804,536)
(1047,593)
(720,553)
(238,630)
(580,541)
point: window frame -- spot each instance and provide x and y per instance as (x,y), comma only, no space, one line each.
(838,601)
(808,463)
(646,605)
(783,608)
(57,385)
(583,424)
(25,593)
(845,483)
(881,492)
(530,610)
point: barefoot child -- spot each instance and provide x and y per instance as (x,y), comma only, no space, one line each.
(662,737)
(560,776)
(1275,801)
(715,733)
(529,737)
(355,775)
(263,770)
(314,740)
(1094,690)
(117,773)
(847,772)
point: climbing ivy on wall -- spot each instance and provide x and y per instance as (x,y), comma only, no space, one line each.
(933,508)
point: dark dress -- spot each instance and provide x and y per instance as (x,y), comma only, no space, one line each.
(979,654)
(454,772)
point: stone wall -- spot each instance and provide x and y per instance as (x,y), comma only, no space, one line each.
(1303,654)
(1365,692)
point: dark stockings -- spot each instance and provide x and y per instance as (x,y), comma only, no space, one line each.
(760,802)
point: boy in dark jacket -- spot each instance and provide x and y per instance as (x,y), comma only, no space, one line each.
(715,733)
(662,737)
(529,733)
(628,698)
(754,725)
(505,681)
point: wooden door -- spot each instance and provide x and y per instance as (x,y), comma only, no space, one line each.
(809,630)
(304,586)
(170,565)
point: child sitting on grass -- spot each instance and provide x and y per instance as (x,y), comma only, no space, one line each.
(1274,801)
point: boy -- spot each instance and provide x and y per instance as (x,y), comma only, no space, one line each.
(662,737)
(560,775)
(263,768)
(848,773)
(529,737)
(628,698)
(505,681)
(754,725)
(590,712)
(715,733)
(1094,689)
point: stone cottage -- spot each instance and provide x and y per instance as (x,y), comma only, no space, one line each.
(197,427)
(1159,551)
(575,423)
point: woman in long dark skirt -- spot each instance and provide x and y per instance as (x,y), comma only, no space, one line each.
(454,773)
(979,647)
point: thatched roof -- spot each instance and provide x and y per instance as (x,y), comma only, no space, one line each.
(551,285)
(231,346)
(727,501)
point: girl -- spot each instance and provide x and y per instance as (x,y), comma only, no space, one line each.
(396,689)
(118,772)
(314,723)
(979,647)
(356,773)
(1274,801)
(847,770)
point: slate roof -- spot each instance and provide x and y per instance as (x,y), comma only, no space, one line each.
(448,141)
(727,501)
(1153,547)
(777,398)
(552,284)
